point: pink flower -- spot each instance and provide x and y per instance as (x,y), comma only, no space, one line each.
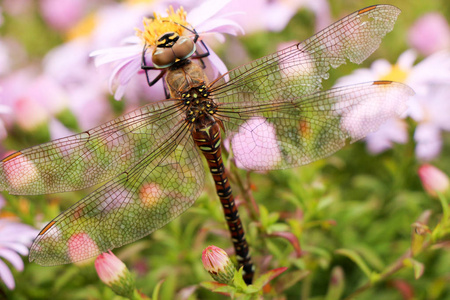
(430,34)
(218,264)
(4,109)
(18,174)
(113,272)
(30,100)
(125,61)
(393,131)
(79,244)
(255,145)
(429,107)
(82,88)
(15,238)
(433,179)
(63,14)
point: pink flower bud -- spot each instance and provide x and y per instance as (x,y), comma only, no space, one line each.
(113,272)
(218,264)
(433,179)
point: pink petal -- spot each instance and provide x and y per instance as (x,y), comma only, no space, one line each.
(433,179)
(58,130)
(13,258)
(108,55)
(220,25)
(6,276)
(123,73)
(206,10)
(429,141)
(17,247)
(394,130)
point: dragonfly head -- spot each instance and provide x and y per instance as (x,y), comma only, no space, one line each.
(171,48)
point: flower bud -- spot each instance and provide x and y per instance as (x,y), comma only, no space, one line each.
(113,272)
(433,179)
(218,264)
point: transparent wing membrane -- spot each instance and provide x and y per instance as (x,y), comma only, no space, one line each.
(91,157)
(299,69)
(135,203)
(300,131)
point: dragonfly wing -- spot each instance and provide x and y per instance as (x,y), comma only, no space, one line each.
(300,131)
(91,157)
(147,196)
(299,70)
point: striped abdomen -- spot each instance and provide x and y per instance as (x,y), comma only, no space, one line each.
(206,135)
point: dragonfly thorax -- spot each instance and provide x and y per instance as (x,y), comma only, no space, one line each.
(198,104)
(187,81)
(172,48)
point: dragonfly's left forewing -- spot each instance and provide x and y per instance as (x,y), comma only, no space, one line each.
(300,131)
(137,202)
(91,157)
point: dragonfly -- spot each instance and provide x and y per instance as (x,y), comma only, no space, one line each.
(149,161)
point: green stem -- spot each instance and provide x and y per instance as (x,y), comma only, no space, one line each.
(445,209)
(392,269)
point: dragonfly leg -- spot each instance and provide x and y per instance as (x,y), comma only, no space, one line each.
(203,55)
(197,55)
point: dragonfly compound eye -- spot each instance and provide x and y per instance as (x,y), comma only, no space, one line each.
(172,48)
(163,57)
(183,48)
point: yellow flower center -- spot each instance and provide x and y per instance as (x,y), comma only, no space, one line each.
(154,28)
(396,74)
(83,28)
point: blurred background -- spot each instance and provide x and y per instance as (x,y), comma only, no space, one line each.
(341,225)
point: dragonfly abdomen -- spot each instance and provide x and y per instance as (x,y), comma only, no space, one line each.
(207,137)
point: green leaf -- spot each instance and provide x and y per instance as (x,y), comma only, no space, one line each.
(68,119)
(445,209)
(263,215)
(268,276)
(336,285)
(418,236)
(356,258)
(290,279)
(155,294)
(239,280)
(217,287)
(211,285)
(417,266)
